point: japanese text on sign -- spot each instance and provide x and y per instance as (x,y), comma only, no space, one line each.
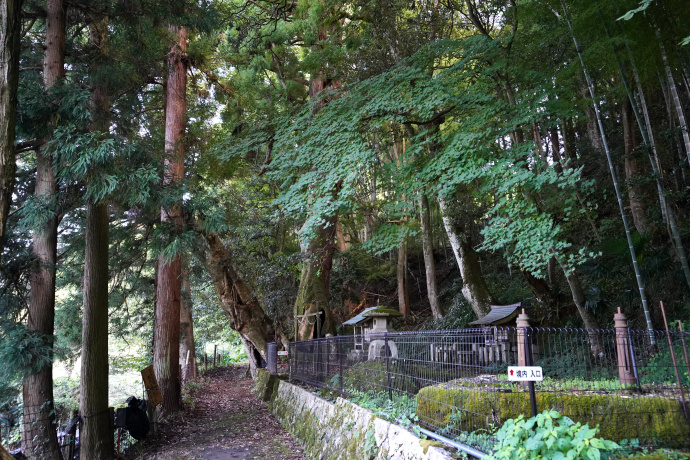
(151,385)
(525,374)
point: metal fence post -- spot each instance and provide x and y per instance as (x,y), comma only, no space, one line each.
(290,357)
(388,365)
(272,357)
(340,365)
(329,345)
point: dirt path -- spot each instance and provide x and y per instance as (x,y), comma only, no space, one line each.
(224,422)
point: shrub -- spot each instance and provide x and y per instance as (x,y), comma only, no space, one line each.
(549,435)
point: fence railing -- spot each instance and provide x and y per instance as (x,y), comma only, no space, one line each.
(455,382)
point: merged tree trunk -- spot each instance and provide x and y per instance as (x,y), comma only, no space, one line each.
(10,31)
(187,347)
(39,437)
(238,301)
(317,254)
(474,288)
(313,291)
(429,264)
(166,345)
(96,436)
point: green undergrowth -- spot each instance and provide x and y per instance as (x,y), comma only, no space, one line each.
(373,376)
(550,435)
(399,409)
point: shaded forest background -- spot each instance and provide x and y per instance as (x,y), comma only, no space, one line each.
(218,167)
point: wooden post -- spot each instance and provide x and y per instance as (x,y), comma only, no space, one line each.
(205,362)
(626,372)
(215,352)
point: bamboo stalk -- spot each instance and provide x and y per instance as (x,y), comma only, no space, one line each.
(628,234)
(673,358)
(674,95)
(648,138)
(685,347)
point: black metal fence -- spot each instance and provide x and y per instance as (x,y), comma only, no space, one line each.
(455,383)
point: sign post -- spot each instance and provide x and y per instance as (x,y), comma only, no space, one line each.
(529,374)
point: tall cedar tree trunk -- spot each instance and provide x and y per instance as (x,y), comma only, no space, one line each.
(313,291)
(96,437)
(10,30)
(238,301)
(39,437)
(428,249)
(187,331)
(166,345)
(474,287)
(637,208)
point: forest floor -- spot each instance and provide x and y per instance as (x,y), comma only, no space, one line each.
(222,420)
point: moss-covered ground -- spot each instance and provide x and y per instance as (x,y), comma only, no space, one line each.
(222,420)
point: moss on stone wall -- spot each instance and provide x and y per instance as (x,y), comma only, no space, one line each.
(650,419)
(266,384)
(343,430)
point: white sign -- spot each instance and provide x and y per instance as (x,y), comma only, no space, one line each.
(525,374)
(282,353)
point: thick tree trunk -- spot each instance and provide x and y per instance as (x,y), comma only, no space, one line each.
(429,264)
(39,437)
(399,146)
(343,245)
(588,318)
(313,291)
(546,299)
(166,349)
(38,388)
(238,300)
(96,437)
(637,208)
(10,30)
(474,288)
(578,294)
(187,347)
(403,303)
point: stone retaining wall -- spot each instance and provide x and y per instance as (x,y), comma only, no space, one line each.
(340,430)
